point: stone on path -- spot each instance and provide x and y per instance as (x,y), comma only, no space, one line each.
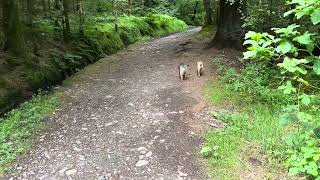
(141,163)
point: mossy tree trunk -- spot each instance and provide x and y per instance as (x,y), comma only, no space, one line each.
(229,31)
(14,38)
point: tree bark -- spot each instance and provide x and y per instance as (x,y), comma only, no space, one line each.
(65,21)
(208,17)
(30,7)
(229,31)
(44,6)
(14,41)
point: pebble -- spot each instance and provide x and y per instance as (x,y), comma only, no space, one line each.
(181,174)
(141,163)
(46,154)
(149,154)
(141,157)
(141,149)
(71,172)
(130,104)
(77,149)
(61,172)
(108,96)
(82,158)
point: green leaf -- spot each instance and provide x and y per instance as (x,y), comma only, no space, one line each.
(289,12)
(316,132)
(315,16)
(285,47)
(305,99)
(304,39)
(292,65)
(312,168)
(294,171)
(288,88)
(316,67)
(249,54)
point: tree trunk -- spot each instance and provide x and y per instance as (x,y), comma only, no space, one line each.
(195,11)
(14,41)
(208,17)
(30,7)
(65,21)
(229,31)
(44,6)
(81,17)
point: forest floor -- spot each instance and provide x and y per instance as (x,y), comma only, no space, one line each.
(128,116)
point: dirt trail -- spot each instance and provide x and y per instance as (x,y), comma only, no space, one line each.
(127,117)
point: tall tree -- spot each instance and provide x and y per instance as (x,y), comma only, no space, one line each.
(229,30)
(65,21)
(30,7)
(209,15)
(12,26)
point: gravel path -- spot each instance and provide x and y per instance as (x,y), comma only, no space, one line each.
(124,117)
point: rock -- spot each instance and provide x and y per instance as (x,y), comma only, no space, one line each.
(77,149)
(108,96)
(61,172)
(181,174)
(141,149)
(173,112)
(71,172)
(130,104)
(82,158)
(149,154)
(46,154)
(141,163)
(102,178)
(158,114)
(110,123)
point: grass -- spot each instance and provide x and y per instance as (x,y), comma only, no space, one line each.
(18,127)
(249,128)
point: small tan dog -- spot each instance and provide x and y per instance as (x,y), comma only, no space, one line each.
(200,68)
(183,71)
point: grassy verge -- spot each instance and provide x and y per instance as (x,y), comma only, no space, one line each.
(252,142)
(18,127)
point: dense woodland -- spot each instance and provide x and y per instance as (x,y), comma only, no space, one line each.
(43,42)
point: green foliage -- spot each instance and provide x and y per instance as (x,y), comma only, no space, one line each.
(18,127)
(191,12)
(294,48)
(253,84)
